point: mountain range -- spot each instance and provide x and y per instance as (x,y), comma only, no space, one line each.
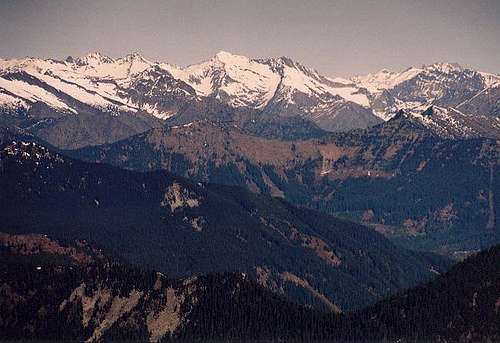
(369,176)
(96,99)
(71,290)
(182,229)
(242,198)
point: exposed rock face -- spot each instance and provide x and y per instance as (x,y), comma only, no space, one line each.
(198,223)
(166,320)
(294,279)
(178,197)
(278,282)
(35,244)
(96,296)
(316,244)
(441,84)
(100,100)
(102,309)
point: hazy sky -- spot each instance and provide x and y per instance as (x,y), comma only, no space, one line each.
(335,37)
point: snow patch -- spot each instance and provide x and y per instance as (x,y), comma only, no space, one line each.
(26,91)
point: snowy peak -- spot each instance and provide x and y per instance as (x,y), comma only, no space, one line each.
(97,58)
(30,63)
(99,66)
(91,59)
(230,59)
(135,57)
(444,67)
(298,80)
(233,79)
(94,80)
(385,79)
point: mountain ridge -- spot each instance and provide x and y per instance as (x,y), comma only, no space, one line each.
(311,257)
(341,173)
(255,93)
(49,296)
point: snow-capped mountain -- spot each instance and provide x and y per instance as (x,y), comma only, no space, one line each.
(241,81)
(279,87)
(94,80)
(236,80)
(133,84)
(443,84)
(449,122)
(450,100)
(111,98)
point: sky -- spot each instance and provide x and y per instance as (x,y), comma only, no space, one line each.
(338,38)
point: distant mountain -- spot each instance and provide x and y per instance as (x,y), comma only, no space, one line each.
(370,176)
(468,100)
(54,290)
(450,123)
(279,87)
(63,103)
(441,84)
(96,99)
(181,228)
(106,94)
